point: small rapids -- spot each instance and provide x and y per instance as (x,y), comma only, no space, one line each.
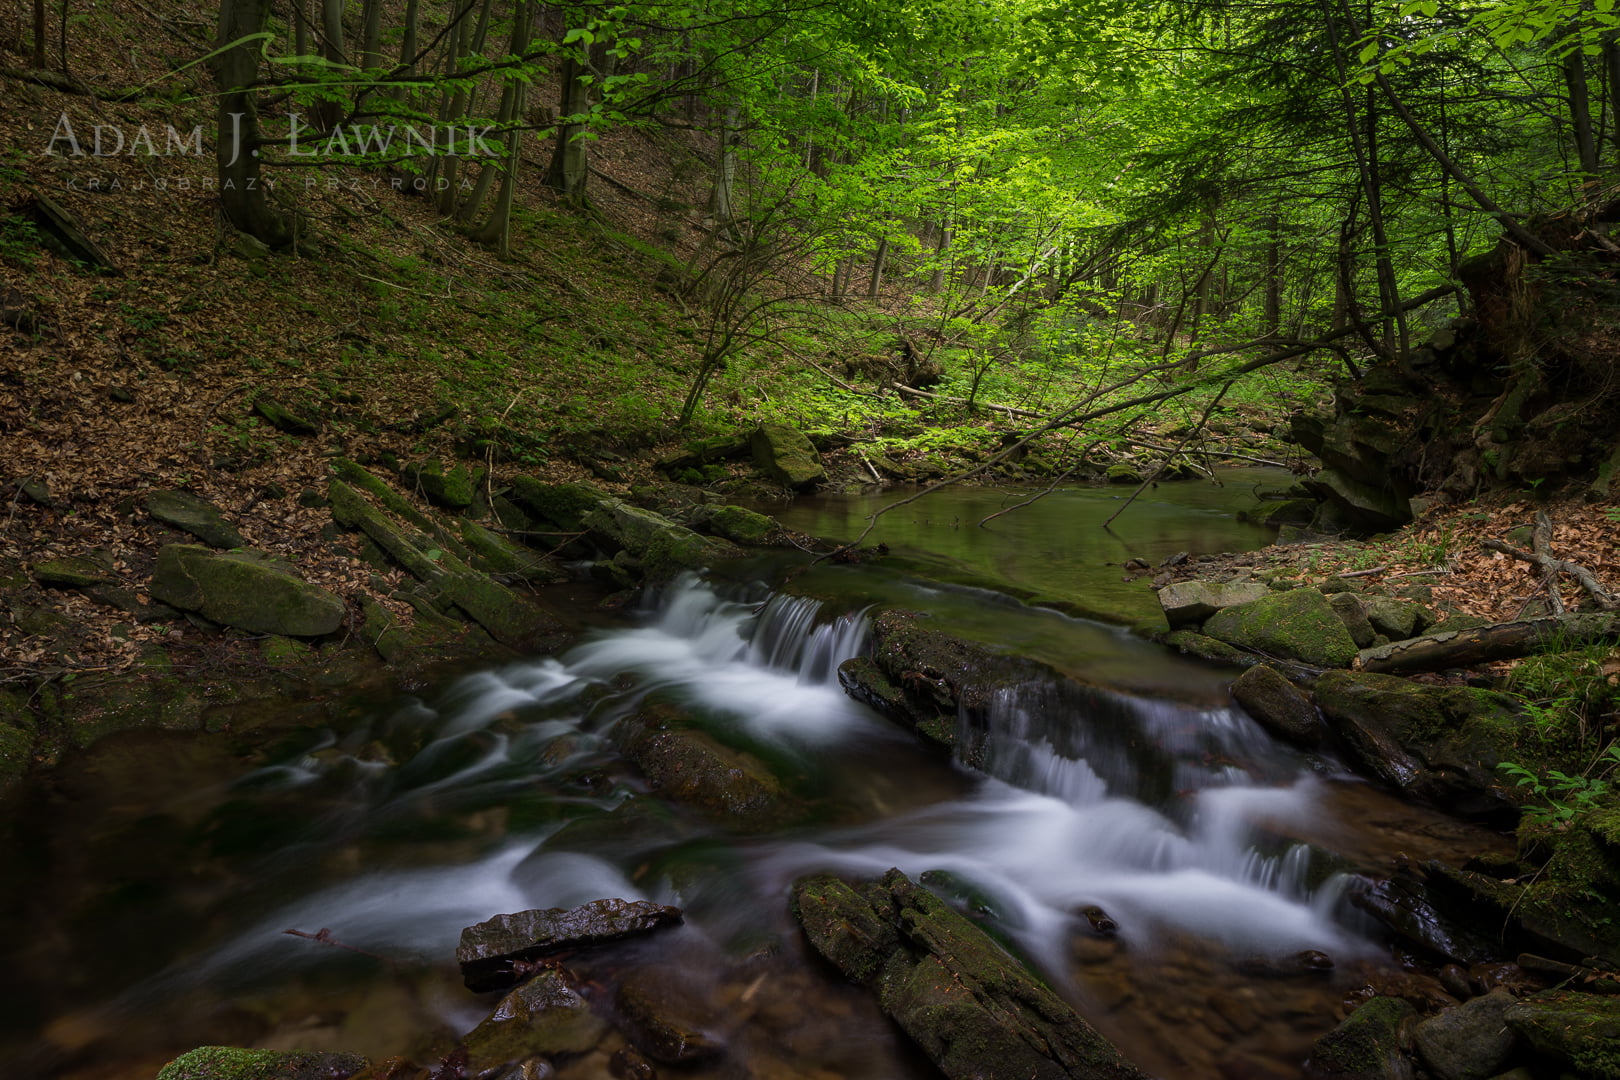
(1186,824)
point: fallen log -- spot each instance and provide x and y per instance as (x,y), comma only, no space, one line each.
(1497,641)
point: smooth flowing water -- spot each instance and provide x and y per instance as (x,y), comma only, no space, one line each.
(151,880)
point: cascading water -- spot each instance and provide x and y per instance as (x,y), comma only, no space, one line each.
(506,792)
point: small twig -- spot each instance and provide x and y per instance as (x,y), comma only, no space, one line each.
(1605,599)
(324,936)
(1215,453)
(1196,428)
(1364,573)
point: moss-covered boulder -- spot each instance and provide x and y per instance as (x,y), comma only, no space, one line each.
(687,764)
(1279,706)
(1297,625)
(198,517)
(739,524)
(454,488)
(1579,1030)
(542,1019)
(1353,613)
(787,456)
(1469,1042)
(1395,619)
(299,422)
(1373,1043)
(248,590)
(236,1063)
(663,547)
(1121,473)
(1441,744)
(563,505)
(972,1008)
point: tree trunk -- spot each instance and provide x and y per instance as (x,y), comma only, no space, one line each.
(40,33)
(570,164)
(1580,111)
(1273,312)
(1611,68)
(725,174)
(371,35)
(241,193)
(878,260)
(408,47)
(942,252)
(300,21)
(497,232)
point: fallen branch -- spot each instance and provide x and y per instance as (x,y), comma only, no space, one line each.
(1605,599)
(1498,641)
(1212,453)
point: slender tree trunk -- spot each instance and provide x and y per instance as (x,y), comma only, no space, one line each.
(408,47)
(1389,297)
(300,21)
(371,35)
(876,281)
(1580,111)
(1273,309)
(241,194)
(332,30)
(570,164)
(1611,68)
(40,34)
(497,232)
(721,213)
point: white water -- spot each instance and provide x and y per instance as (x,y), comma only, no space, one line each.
(1154,811)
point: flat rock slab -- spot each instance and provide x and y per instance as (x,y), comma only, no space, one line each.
(1188,603)
(72,571)
(1580,1029)
(488,949)
(247,589)
(198,517)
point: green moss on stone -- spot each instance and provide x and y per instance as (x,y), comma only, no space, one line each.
(1299,624)
(740,525)
(236,1063)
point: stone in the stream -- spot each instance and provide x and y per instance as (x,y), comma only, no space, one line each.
(739,524)
(1437,743)
(542,1018)
(1372,1043)
(1406,907)
(1297,625)
(1581,1030)
(238,1063)
(688,765)
(247,589)
(196,516)
(785,455)
(1188,603)
(668,1016)
(1470,1042)
(663,547)
(1279,706)
(972,1008)
(488,949)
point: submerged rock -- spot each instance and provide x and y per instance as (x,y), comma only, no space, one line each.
(1470,1042)
(237,1063)
(488,949)
(542,1018)
(785,455)
(972,1008)
(692,767)
(668,1017)
(248,590)
(1297,625)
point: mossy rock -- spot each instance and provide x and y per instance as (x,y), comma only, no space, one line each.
(198,517)
(543,1018)
(1581,1030)
(16,753)
(1373,1043)
(1441,744)
(1123,474)
(563,505)
(72,571)
(294,422)
(1299,624)
(1286,512)
(740,525)
(786,455)
(454,488)
(236,1063)
(248,590)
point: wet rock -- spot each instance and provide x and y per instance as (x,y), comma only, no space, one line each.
(628,1064)
(668,1016)
(454,488)
(196,516)
(1287,512)
(1581,1030)
(1299,625)
(248,590)
(1437,743)
(1539,911)
(971,1008)
(1406,907)
(72,571)
(1121,473)
(543,1018)
(1457,982)
(236,1063)
(1470,1042)
(1099,920)
(563,505)
(1372,507)
(1187,603)
(1351,611)
(1201,645)
(1371,1044)
(1279,706)
(785,455)
(692,767)
(488,949)
(495,554)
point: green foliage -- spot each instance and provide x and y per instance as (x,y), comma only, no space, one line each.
(1563,796)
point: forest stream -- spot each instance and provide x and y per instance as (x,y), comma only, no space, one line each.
(164,878)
